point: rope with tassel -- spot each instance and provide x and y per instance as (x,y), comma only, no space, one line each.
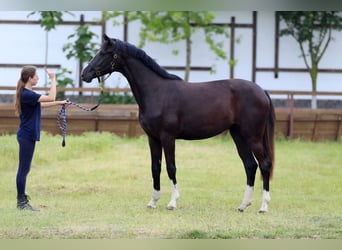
(61,116)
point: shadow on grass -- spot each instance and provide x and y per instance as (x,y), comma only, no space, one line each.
(199,234)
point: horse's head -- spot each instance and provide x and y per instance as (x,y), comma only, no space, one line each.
(104,62)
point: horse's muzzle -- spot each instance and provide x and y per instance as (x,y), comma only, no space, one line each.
(87,77)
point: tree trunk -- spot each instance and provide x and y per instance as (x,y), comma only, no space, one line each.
(313,74)
(46,54)
(188,52)
(80,82)
(188,60)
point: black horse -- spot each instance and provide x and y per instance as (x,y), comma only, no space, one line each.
(170,109)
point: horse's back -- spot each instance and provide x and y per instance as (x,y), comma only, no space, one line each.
(228,94)
(228,86)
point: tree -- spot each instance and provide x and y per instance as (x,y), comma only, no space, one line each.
(313,32)
(81,47)
(48,20)
(174,26)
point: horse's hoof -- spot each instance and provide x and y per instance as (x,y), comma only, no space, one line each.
(262,211)
(152,205)
(171,206)
(242,207)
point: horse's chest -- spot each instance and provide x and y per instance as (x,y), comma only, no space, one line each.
(150,123)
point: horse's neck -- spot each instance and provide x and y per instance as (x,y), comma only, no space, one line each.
(143,81)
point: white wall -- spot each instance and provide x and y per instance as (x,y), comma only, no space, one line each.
(26,44)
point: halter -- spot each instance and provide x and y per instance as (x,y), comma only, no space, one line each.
(99,72)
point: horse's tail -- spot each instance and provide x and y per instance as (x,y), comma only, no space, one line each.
(268,139)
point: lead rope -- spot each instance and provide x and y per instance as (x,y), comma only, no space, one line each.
(62,114)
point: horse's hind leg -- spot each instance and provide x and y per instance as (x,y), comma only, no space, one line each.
(156,156)
(265,166)
(168,144)
(249,163)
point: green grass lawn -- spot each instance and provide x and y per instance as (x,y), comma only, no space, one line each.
(99,184)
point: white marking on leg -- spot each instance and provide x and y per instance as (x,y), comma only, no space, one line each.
(266,198)
(247,199)
(155,198)
(174,197)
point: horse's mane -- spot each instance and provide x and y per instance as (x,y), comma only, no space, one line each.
(144,58)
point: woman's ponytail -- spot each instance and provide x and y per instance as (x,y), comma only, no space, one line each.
(20,87)
(26,73)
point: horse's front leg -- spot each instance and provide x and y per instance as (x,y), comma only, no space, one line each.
(169,151)
(156,155)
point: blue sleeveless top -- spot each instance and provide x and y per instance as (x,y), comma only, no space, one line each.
(30,116)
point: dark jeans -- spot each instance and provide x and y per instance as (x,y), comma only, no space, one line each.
(26,150)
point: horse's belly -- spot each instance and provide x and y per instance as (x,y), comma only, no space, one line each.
(202,131)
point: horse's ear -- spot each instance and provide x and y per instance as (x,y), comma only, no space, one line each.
(105,37)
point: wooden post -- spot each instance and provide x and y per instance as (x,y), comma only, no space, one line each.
(125,29)
(291,115)
(254,46)
(314,130)
(276,46)
(103,27)
(97,124)
(337,135)
(131,124)
(80,65)
(232,48)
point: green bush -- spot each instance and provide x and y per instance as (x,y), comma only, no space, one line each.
(118,98)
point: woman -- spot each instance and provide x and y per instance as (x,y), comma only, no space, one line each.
(28,107)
